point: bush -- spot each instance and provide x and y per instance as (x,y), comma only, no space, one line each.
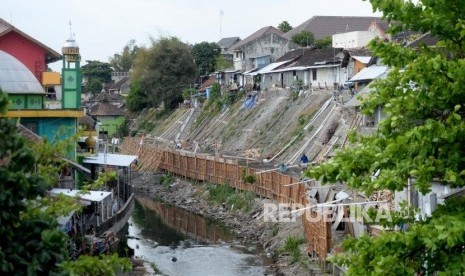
(292,246)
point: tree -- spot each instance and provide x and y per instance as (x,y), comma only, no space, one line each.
(422,137)
(94,86)
(323,43)
(205,55)
(123,61)
(137,99)
(222,63)
(304,38)
(165,69)
(95,69)
(31,242)
(284,27)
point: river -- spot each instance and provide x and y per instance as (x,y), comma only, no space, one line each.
(182,243)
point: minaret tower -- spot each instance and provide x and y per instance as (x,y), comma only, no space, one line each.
(71,74)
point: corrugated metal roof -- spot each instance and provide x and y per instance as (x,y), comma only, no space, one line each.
(270,67)
(110,159)
(369,73)
(96,196)
(363,60)
(15,77)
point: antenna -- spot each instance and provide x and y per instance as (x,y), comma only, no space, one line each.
(221,21)
(70,30)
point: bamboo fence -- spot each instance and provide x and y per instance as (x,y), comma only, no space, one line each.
(207,168)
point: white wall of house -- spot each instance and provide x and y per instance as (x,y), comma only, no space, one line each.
(238,60)
(325,77)
(352,39)
(269,45)
(425,203)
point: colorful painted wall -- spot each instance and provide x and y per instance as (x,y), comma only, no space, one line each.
(53,129)
(110,124)
(25,102)
(26,51)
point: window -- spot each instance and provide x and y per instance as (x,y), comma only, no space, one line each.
(314,74)
(261,62)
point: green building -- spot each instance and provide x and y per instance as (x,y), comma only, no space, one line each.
(51,119)
(109,118)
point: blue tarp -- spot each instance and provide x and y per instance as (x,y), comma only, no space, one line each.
(249,102)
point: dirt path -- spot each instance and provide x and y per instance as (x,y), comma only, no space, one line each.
(250,227)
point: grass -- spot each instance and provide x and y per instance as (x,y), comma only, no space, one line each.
(232,198)
(166,179)
(292,246)
(155,268)
(147,126)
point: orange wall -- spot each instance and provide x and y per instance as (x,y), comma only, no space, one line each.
(358,66)
(51,78)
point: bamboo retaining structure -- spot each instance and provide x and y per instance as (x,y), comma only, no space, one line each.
(270,184)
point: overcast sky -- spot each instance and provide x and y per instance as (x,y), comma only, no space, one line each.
(103,27)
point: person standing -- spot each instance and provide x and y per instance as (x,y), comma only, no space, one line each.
(304,160)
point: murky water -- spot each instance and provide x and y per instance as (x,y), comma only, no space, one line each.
(182,243)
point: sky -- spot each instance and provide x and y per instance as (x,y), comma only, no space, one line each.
(103,27)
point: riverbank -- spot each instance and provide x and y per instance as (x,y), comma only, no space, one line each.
(249,226)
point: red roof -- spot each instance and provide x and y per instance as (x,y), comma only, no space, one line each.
(6,28)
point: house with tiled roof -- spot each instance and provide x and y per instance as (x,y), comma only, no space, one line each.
(121,86)
(313,68)
(326,26)
(109,118)
(225,44)
(260,49)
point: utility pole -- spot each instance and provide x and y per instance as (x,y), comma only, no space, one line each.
(221,23)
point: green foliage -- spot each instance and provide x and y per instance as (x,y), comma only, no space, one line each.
(304,38)
(188,92)
(165,70)
(284,27)
(205,55)
(167,179)
(232,198)
(323,43)
(94,86)
(251,179)
(122,62)
(105,265)
(421,137)
(292,246)
(137,98)
(31,242)
(123,130)
(427,247)
(98,70)
(222,63)
(146,126)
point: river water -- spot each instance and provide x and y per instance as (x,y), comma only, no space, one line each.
(182,243)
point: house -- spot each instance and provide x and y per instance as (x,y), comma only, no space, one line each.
(326,26)
(315,68)
(28,103)
(354,61)
(109,119)
(122,86)
(206,86)
(365,77)
(260,49)
(29,51)
(225,44)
